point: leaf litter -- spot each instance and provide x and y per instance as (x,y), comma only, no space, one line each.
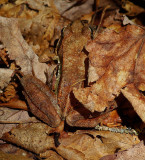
(97,71)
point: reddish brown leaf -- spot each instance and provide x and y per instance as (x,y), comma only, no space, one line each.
(117,71)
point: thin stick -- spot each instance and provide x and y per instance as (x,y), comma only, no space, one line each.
(77,82)
(102,16)
(17,122)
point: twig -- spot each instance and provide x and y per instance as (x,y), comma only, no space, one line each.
(17,122)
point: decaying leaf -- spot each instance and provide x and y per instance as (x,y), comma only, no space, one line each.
(109,59)
(15,150)
(109,45)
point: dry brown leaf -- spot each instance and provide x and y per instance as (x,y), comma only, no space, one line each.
(15,150)
(15,103)
(51,155)
(41,29)
(94,144)
(19,50)
(11,116)
(135,153)
(139,77)
(79,145)
(109,55)
(9,92)
(73,10)
(7,156)
(39,22)
(33,137)
(131,8)
(9,9)
(5,77)
(136,98)
(109,45)
(3,55)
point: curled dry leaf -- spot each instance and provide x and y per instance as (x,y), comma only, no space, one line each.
(9,92)
(15,103)
(136,98)
(109,59)
(136,152)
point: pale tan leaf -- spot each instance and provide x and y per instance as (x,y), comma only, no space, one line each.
(19,50)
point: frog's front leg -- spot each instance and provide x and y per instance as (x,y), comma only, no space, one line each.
(82,117)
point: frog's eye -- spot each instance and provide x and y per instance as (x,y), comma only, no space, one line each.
(84,22)
(65,31)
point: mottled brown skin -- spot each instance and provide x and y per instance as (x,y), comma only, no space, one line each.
(82,117)
(75,37)
(42,101)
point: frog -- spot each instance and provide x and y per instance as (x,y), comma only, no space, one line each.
(52,108)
